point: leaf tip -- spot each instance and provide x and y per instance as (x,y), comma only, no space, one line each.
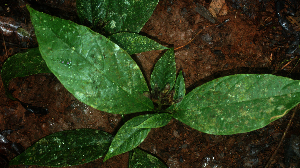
(106,157)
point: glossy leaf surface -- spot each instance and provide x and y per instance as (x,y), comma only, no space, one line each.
(128,15)
(238,103)
(117,15)
(66,148)
(95,70)
(94,11)
(156,121)
(134,43)
(130,135)
(179,87)
(21,65)
(140,158)
(164,71)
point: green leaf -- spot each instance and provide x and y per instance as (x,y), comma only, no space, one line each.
(128,15)
(156,121)
(21,65)
(238,103)
(140,158)
(130,135)
(164,71)
(95,70)
(134,43)
(94,11)
(179,87)
(66,148)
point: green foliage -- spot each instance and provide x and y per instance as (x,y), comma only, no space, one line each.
(134,131)
(21,65)
(117,15)
(99,71)
(66,148)
(238,103)
(139,158)
(164,72)
(134,43)
(179,87)
(94,69)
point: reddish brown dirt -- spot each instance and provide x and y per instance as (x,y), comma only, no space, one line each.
(242,45)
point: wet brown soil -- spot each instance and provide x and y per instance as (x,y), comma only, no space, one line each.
(250,42)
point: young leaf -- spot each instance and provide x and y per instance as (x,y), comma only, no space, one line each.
(238,103)
(130,135)
(66,148)
(129,15)
(21,65)
(164,71)
(95,70)
(139,158)
(94,11)
(134,43)
(179,87)
(156,121)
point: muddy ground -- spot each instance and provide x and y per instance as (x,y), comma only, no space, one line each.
(252,41)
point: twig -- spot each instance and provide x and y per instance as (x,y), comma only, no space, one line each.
(189,41)
(282,138)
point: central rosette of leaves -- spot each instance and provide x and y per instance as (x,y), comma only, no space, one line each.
(163,99)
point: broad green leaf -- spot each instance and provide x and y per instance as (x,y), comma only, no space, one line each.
(164,71)
(238,103)
(140,158)
(66,148)
(21,65)
(134,43)
(94,11)
(128,15)
(156,121)
(179,87)
(95,70)
(129,135)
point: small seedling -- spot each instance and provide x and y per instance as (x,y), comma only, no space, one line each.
(99,71)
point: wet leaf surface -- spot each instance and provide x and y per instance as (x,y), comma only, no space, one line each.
(129,136)
(94,69)
(118,15)
(164,72)
(238,103)
(134,43)
(179,87)
(94,11)
(156,121)
(128,16)
(66,148)
(140,158)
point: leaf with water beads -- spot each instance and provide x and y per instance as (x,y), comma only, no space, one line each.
(134,131)
(134,43)
(164,72)
(179,87)
(94,69)
(139,158)
(117,15)
(66,148)
(237,103)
